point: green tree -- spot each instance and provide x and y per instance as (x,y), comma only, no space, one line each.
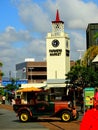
(95,37)
(1,64)
(1,73)
(89,55)
(2,91)
(12,86)
(83,76)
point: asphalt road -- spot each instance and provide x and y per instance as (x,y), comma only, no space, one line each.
(9,121)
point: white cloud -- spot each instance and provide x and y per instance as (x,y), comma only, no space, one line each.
(40,51)
(15,46)
(77,43)
(33,16)
(11,36)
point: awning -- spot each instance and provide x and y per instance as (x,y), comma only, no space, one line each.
(95,59)
(2,86)
(31,89)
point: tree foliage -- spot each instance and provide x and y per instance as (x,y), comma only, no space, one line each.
(1,64)
(2,91)
(12,86)
(1,73)
(83,76)
(89,55)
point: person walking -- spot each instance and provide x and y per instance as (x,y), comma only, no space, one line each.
(3,99)
(13,101)
(90,118)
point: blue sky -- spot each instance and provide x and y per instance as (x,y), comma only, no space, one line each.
(9,15)
(24,25)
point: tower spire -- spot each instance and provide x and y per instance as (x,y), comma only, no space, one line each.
(57,16)
(57,20)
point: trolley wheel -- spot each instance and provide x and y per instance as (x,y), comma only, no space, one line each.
(66,116)
(24,116)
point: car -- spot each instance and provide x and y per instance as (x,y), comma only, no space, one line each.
(46,105)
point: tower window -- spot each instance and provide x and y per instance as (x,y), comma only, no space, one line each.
(67,52)
(67,44)
(57,26)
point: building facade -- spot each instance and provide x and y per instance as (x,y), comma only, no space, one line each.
(92,35)
(33,71)
(58,53)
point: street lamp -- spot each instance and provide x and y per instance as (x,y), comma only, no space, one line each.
(31,69)
(80,56)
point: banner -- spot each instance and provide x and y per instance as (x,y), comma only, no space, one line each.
(88,96)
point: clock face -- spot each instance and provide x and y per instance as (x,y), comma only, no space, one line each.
(55,43)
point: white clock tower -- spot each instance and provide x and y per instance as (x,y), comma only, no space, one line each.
(58,53)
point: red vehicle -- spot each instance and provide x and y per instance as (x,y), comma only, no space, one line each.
(50,105)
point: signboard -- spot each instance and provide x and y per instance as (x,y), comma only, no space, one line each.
(88,96)
(5,83)
(18,82)
(55,52)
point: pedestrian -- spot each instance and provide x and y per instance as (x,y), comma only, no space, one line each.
(3,99)
(90,118)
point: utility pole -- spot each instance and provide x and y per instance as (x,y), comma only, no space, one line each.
(80,56)
(10,75)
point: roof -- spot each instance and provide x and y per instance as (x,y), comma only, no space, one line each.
(57,20)
(95,59)
(57,16)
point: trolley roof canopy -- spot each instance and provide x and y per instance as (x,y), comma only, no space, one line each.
(29,89)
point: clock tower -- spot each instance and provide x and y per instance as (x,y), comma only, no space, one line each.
(58,53)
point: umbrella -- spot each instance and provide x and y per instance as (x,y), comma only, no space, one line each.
(29,89)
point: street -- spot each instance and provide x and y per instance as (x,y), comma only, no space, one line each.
(9,121)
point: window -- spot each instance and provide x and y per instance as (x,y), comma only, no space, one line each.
(66,43)
(67,52)
(30,69)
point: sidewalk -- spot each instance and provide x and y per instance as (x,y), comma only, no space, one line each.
(6,106)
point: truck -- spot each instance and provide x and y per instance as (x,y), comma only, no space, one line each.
(47,105)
